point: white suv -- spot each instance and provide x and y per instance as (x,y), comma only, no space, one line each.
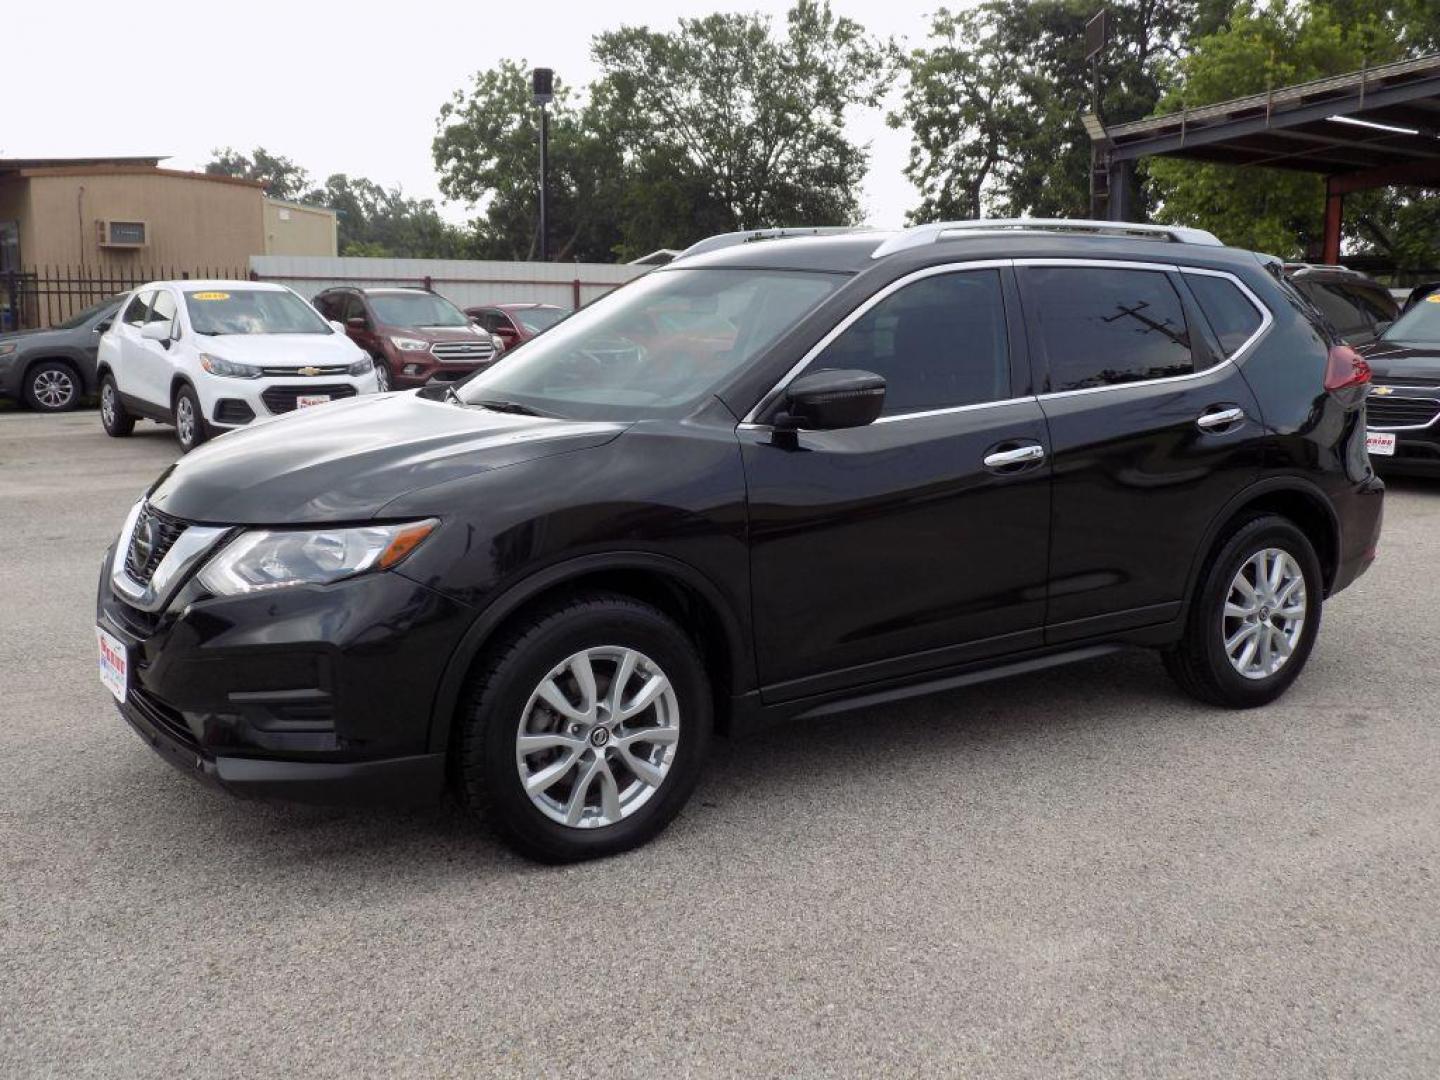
(208,356)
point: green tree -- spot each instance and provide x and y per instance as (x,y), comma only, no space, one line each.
(995,96)
(283,179)
(379,221)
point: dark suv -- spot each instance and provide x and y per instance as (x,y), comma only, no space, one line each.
(413,335)
(1358,306)
(854,468)
(50,370)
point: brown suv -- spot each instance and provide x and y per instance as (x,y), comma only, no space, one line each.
(414,335)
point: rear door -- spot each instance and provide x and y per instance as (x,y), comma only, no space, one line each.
(918,541)
(1152,429)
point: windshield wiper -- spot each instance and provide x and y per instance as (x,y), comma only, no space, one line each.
(496,405)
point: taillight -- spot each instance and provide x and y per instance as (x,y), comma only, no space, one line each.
(1345,367)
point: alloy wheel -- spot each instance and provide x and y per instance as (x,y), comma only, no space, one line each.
(53,389)
(185,421)
(597,737)
(107,405)
(1264,613)
(382,379)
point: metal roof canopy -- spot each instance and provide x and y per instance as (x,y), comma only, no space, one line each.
(1366,129)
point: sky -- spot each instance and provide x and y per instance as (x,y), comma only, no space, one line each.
(351,87)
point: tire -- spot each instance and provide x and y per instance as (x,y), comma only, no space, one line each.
(114,417)
(1201,663)
(52,386)
(383,381)
(503,697)
(190,428)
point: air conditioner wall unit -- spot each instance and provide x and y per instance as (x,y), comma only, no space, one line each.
(115,233)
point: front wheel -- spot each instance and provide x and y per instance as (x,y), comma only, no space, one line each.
(1254,618)
(383,383)
(114,417)
(585,731)
(52,386)
(189,420)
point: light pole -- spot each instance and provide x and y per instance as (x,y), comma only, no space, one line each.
(542,82)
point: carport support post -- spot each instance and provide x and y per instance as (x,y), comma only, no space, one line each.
(1118,207)
(1334,217)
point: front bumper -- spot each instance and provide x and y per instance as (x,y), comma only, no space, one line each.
(226,403)
(314,694)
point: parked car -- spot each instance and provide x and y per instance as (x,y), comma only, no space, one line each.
(212,356)
(1358,306)
(413,335)
(926,459)
(1403,411)
(51,370)
(514,323)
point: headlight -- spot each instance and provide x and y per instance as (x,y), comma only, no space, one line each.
(7,348)
(215,366)
(410,344)
(274,559)
(363,366)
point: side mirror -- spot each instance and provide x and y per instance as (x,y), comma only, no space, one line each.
(829,400)
(356,322)
(336,325)
(102,326)
(156,331)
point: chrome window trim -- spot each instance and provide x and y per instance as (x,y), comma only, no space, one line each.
(189,548)
(1404,397)
(749,422)
(1267,319)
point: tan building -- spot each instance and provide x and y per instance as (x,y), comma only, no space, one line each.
(74,229)
(293,228)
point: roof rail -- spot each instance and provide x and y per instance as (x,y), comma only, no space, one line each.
(920,235)
(746,236)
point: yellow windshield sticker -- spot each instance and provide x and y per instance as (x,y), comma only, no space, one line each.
(210,296)
(1433,298)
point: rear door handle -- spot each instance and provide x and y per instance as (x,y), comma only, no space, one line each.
(1015,457)
(1221,418)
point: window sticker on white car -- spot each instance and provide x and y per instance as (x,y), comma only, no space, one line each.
(210,296)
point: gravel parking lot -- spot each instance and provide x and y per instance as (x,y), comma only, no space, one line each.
(1079,874)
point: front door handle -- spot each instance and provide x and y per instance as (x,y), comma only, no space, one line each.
(1220,418)
(1015,457)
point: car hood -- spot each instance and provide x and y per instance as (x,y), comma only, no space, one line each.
(346,460)
(280,350)
(441,333)
(18,337)
(1396,361)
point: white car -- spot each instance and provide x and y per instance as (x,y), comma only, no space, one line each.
(209,356)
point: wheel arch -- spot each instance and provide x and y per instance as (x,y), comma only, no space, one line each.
(74,363)
(1293,498)
(672,586)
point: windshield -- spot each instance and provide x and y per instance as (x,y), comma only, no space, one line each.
(89,313)
(540,318)
(1421,324)
(654,347)
(252,311)
(416,309)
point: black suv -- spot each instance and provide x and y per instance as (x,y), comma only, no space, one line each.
(824,472)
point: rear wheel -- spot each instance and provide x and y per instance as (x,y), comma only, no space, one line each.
(1254,619)
(114,417)
(586,729)
(189,420)
(52,386)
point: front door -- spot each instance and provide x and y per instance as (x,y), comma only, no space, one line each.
(919,541)
(154,363)
(1152,431)
(129,371)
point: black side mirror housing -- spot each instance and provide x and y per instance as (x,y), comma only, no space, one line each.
(832,399)
(1382,326)
(355,322)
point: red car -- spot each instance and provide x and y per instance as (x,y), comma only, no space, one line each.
(514,323)
(414,335)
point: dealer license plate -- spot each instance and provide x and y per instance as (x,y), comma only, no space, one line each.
(114,663)
(1380,442)
(304,401)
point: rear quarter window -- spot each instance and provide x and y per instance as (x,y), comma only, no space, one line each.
(1230,313)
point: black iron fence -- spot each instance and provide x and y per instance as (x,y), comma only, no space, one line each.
(47,295)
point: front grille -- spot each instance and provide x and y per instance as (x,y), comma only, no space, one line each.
(153,537)
(1383,412)
(317,369)
(162,716)
(463,352)
(281,399)
(233,411)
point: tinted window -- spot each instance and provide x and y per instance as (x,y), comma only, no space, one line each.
(1377,305)
(1338,306)
(135,310)
(537,319)
(325,304)
(354,308)
(1101,327)
(939,343)
(85,316)
(1230,314)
